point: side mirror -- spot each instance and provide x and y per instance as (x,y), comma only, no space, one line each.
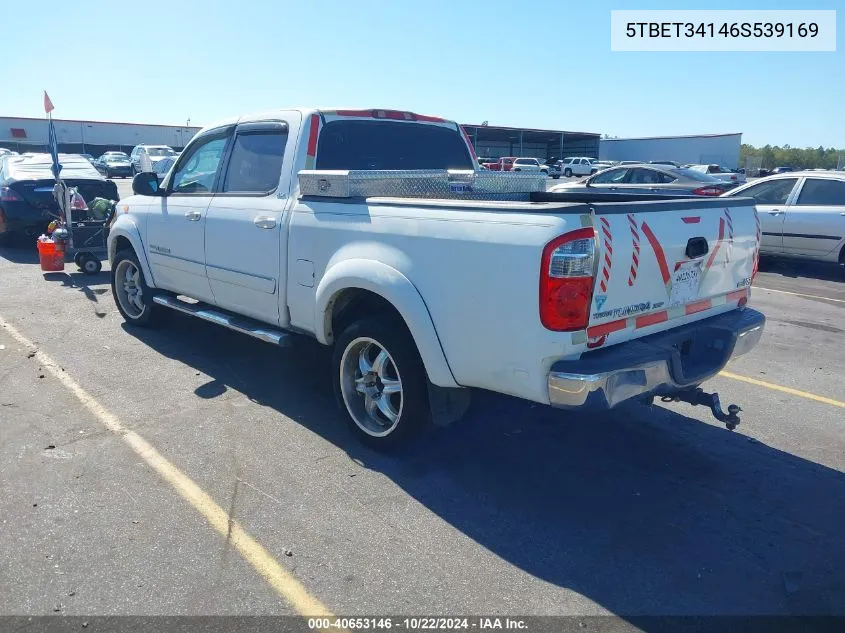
(146,184)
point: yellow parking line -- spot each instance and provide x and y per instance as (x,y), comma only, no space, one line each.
(789,390)
(255,554)
(798,294)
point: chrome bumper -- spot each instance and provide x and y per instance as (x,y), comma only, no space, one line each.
(660,364)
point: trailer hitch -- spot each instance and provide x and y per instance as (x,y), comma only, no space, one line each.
(698,396)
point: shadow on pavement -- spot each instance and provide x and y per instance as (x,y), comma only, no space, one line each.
(644,510)
(20,254)
(802,269)
(82,282)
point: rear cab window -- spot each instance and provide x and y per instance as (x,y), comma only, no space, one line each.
(374,145)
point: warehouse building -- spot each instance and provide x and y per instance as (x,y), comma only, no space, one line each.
(702,149)
(22,134)
(495,142)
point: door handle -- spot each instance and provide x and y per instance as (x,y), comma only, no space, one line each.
(774,212)
(264,222)
(193,216)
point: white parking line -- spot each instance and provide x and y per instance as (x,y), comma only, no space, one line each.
(798,294)
(288,587)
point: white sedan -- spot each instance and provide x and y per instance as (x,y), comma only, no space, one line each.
(802,214)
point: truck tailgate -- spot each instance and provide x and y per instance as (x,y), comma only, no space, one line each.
(663,261)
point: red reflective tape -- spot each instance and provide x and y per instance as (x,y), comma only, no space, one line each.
(606,233)
(603,286)
(635,258)
(430,119)
(605,222)
(658,252)
(693,219)
(606,272)
(609,248)
(718,244)
(605,328)
(312,135)
(698,306)
(736,295)
(651,319)
(607,259)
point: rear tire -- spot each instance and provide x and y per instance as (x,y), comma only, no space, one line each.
(567,173)
(134,299)
(380,383)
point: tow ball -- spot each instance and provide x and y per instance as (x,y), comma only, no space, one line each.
(698,396)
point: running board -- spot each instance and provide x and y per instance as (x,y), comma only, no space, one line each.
(244,325)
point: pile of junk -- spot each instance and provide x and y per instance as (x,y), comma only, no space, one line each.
(80,232)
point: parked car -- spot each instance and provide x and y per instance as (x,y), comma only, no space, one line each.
(163,166)
(26,191)
(802,214)
(114,164)
(782,170)
(647,178)
(722,173)
(152,152)
(577,166)
(501,164)
(286,233)
(528,164)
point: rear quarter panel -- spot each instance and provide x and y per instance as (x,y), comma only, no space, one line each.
(477,272)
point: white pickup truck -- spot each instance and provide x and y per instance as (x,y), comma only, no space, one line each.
(372,231)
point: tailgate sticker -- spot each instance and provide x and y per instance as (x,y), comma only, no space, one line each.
(659,255)
(597,334)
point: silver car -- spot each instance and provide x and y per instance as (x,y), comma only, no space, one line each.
(802,214)
(647,179)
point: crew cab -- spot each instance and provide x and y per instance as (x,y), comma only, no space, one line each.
(501,164)
(372,231)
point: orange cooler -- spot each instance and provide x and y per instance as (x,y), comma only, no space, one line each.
(51,260)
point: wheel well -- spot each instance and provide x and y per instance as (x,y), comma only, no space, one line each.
(353,304)
(122,243)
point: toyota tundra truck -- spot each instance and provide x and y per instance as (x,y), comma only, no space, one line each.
(373,232)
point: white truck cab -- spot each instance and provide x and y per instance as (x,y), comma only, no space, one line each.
(374,232)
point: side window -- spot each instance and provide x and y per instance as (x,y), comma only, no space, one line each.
(822,192)
(611,176)
(256,162)
(643,176)
(197,170)
(663,177)
(770,192)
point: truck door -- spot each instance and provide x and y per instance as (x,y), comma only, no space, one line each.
(176,224)
(246,234)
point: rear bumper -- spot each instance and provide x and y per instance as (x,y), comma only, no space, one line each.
(660,364)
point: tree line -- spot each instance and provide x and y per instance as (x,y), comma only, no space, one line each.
(796,157)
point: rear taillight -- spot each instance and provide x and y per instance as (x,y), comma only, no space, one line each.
(9,195)
(566,281)
(708,190)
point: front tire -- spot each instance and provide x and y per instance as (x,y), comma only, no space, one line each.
(380,383)
(134,299)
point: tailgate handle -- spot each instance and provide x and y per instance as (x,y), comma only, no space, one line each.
(697,247)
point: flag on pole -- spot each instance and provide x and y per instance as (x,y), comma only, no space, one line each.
(52,140)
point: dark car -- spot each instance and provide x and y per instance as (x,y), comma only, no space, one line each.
(26,191)
(782,170)
(648,179)
(114,164)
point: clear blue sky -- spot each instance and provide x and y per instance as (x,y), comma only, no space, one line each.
(531,64)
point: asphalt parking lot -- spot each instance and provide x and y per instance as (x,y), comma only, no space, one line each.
(190,470)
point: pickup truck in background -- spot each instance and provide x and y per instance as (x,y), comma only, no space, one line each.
(501,164)
(720,173)
(372,231)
